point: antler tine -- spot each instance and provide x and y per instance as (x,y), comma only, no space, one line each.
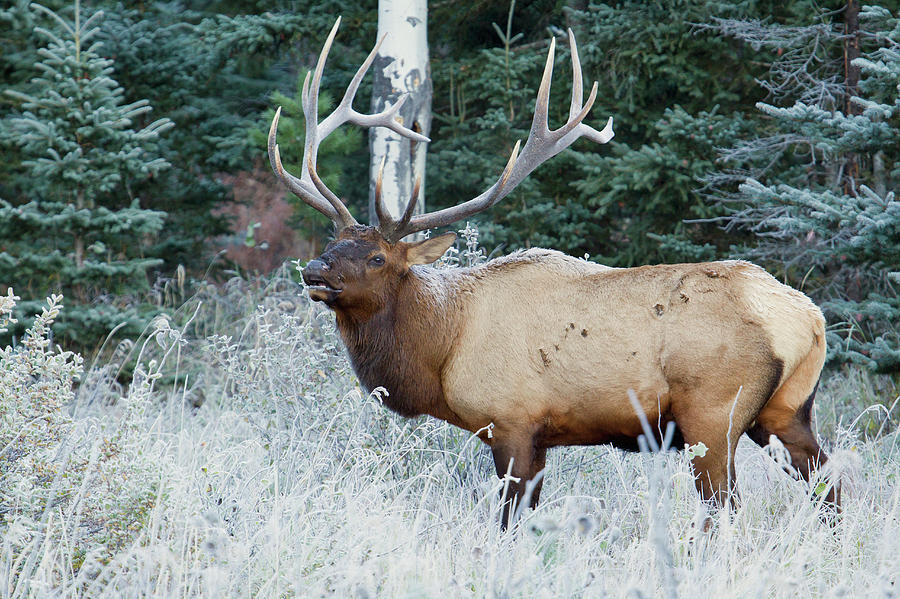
(541,145)
(386,118)
(310,99)
(309,186)
(540,121)
(600,137)
(297,186)
(344,111)
(384,217)
(345,219)
(411,205)
(393,230)
(397,229)
(576,121)
(576,77)
(306,187)
(494,192)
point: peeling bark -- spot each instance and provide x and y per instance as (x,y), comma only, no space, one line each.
(400,68)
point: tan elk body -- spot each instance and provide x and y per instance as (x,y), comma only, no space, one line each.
(541,348)
(547,344)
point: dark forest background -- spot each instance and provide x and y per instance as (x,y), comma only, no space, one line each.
(133,155)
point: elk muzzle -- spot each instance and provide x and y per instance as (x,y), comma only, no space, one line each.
(317,275)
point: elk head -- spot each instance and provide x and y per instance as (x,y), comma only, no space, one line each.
(362,266)
(359,271)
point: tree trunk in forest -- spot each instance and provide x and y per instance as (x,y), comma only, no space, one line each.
(571,21)
(79,240)
(400,68)
(851,85)
(851,52)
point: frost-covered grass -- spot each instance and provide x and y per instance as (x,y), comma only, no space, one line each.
(288,480)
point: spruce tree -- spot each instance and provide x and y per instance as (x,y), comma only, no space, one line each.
(676,93)
(202,71)
(75,226)
(211,67)
(664,82)
(817,183)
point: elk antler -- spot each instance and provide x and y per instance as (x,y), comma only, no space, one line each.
(541,145)
(309,187)
(391,229)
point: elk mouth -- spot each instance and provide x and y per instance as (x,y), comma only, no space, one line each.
(319,289)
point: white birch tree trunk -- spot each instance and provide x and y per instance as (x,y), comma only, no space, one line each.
(400,68)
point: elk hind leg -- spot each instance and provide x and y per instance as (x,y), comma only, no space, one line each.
(714,474)
(718,427)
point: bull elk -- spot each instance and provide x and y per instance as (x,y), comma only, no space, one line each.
(546,347)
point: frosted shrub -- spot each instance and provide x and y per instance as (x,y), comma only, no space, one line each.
(285,360)
(35,386)
(7,304)
(70,490)
(472,255)
(289,481)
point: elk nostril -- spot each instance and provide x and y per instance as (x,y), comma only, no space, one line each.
(316,266)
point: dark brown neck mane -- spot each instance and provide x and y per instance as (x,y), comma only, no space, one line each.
(403,348)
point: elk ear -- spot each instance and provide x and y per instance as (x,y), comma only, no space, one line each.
(429,250)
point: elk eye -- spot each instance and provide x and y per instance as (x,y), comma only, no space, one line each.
(376,261)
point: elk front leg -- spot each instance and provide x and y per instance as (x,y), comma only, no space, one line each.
(527,461)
